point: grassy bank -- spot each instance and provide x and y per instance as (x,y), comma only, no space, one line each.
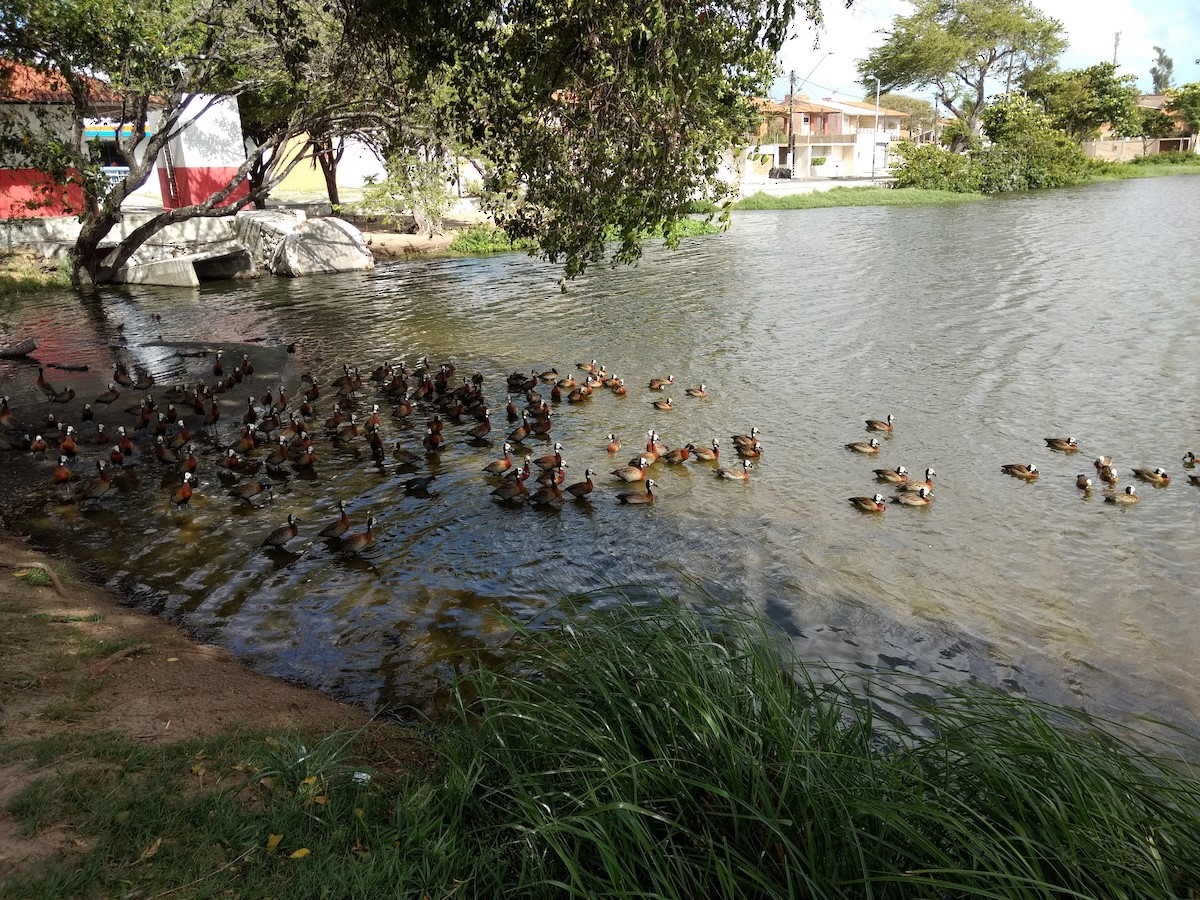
(22,271)
(852,196)
(1145,167)
(635,752)
(485,239)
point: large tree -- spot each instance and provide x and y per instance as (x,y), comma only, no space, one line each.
(1080,101)
(962,49)
(161,64)
(1161,71)
(594,120)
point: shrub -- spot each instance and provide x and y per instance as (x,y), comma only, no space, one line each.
(931,168)
(818,161)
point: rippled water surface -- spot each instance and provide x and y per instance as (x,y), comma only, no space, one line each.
(982,328)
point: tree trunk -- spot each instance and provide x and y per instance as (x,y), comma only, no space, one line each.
(87,269)
(328,158)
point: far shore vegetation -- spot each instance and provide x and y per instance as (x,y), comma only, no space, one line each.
(22,271)
(632,751)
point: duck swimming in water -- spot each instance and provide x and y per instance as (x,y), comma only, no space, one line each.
(874,504)
(1020,470)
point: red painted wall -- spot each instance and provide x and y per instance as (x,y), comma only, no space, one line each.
(23,195)
(196,183)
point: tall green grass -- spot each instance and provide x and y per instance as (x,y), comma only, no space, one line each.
(848,196)
(643,752)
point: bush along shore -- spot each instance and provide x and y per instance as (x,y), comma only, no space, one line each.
(633,751)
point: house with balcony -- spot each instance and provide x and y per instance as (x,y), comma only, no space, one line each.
(827,138)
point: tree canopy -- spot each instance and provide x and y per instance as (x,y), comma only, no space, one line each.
(958,47)
(590,119)
(1184,103)
(1080,101)
(920,112)
(1161,71)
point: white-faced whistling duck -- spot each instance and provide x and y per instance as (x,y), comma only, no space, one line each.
(1062,445)
(64,396)
(283,533)
(1189,459)
(1101,461)
(742,474)
(120,376)
(62,476)
(184,494)
(639,498)
(922,497)
(871,446)
(745,440)
(100,486)
(1108,474)
(614,443)
(251,489)
(885,425)
(86,414)
(874,504)
(1194,479)
(678,455)
(100,438)
(701,391)
(513,489)
(109,396)
(661,384)
(754,451)
(68,444)
(550,460)
(419,486)
(44,386)
(550,495)
(665,405)
(1021,470)
(580,489)
(632,472)
(1083,482)
(338,526)
(898,475)
(709,454)
(1155,476)
(1128,497)
(217,368)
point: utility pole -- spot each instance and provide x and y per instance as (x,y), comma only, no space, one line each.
(1116,43)
(791,118)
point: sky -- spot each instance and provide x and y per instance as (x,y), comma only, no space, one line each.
(1090,26)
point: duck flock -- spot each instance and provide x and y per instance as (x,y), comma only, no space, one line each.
(910,492)
(186,431)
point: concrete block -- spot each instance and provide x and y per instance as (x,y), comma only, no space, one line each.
(322,246)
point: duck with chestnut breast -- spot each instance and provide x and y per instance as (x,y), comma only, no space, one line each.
(898,475)
(1101,461)
(360,541)
(885,425)
(754,451)
(1028,472)
(251,489)
(100,486)
(661,384)
(580,489)
(338,526)
(109,396)
(502,465)
(678,455)
(1108,474)
(871,446)
(1129,496)
(548,496)
(742,474)
(1156,476)
(922,497)
(912,487)
(1062,445)
(550,460)
(283,533)
(745,440)
(639,498)
(184,494)
(874,504)
(665,405)
(614,443)
(513,489)
(557,475)
(708,454)
(700,392)
(1083,482)
(632,472)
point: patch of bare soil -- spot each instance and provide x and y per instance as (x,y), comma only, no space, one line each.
(74,660)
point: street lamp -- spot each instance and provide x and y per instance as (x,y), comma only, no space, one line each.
(875,134)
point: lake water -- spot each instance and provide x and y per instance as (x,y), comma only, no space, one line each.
(983,328)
